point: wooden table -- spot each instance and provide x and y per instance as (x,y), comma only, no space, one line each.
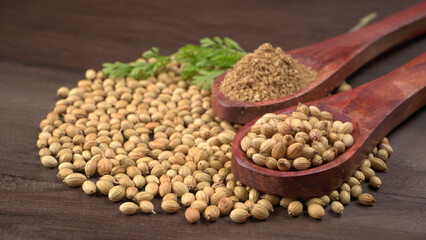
(48,44)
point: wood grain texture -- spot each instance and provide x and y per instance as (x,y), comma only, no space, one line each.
(334,59)
(374,108)
(48,44)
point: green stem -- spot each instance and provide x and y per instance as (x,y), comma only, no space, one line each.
(363,22)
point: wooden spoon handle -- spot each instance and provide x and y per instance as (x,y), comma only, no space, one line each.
(344,54)
(382,104)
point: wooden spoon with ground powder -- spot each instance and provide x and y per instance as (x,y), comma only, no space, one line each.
(374,109)
(270,79)
(266,74)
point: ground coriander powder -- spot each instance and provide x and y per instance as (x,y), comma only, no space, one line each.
(266,74)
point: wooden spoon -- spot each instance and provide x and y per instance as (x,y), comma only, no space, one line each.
(374,108)
(334,59)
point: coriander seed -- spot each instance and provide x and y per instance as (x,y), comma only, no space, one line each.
(128,208)
(89,187)
(316,211)
(74,180)
(170,206)
(239,215)
(366,199)
(212,213)
(337,207)
(147,207)
(192,215)
(295,208)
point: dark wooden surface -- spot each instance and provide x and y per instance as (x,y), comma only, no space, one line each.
(47,44)
(334,59)
(406,93)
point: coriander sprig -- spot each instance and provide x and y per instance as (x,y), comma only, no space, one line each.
(201,63)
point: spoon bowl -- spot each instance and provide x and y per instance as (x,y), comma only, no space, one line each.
(334,60)
(374,109)
(294,183)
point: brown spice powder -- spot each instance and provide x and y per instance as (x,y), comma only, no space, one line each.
(267,73)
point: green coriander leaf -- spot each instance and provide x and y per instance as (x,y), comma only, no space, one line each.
(152,53)
(233,44)
(218,40)
(117,70)
(206,78)
(201,63)
(206,42)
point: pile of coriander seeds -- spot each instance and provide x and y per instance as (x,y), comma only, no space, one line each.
(137,141)
(307,137)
